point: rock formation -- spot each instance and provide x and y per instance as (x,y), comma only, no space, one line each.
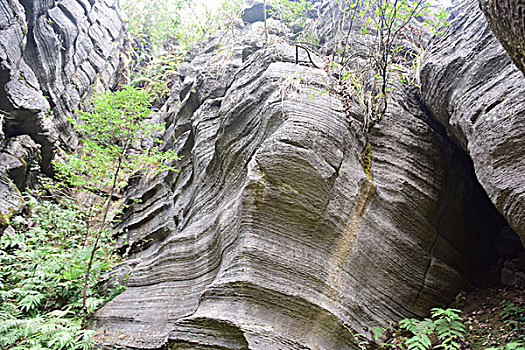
(273,237)
(471,86)
(507,20)
(51,54)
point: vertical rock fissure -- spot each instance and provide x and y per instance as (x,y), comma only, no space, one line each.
(430,258)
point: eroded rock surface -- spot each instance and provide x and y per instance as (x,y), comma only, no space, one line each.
(51,53)
(507,20)
(472,87)
(272,236)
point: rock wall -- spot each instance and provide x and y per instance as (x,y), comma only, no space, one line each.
(51,54)
(471,86)
(272,236)
(507,20)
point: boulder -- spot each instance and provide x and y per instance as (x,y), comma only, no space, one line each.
(255,13)
(19,160)
(11,202)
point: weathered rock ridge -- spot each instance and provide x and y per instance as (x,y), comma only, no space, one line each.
(51,53)
(273,237)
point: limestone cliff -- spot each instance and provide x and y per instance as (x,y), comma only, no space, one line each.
(51,54)
(273,237)
(471,86)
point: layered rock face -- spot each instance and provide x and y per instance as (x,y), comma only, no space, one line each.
(472,87)
(272,236)
(507,20)
(51,54)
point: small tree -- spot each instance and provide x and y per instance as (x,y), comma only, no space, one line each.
(111,131)
(390,26)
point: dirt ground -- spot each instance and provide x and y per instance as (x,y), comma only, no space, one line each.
(494,317)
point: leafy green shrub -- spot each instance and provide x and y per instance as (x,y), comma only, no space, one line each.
(513,316)
(445,325)
(111,129)
(448,327)
(153,24)
(443,330)
(50,265)
(292,12)
(395,38)
(159,33)
(42,266)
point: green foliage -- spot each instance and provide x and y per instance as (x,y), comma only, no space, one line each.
(509,346)
(445,325)
(292,12)
(359,338)
(513,316)
(114,124)
(112,131)
(50,266)
(160,32)
(371,72)
(512,313)
(41,278)
(154,22)
(443,331)
(448,327)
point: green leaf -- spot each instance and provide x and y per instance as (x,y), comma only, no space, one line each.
(31,301)
(377,332)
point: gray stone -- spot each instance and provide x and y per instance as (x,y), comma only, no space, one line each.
(11,201)
(272,236)
(45,65)
(506,242)
(255,13)
(17,159)
(471,86)
(506,20)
